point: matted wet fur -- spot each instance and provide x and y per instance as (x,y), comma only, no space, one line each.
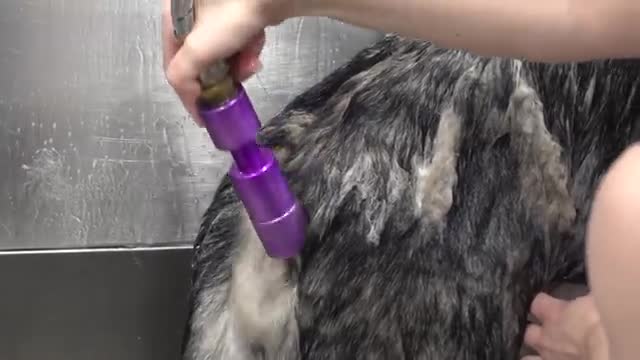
(445,190)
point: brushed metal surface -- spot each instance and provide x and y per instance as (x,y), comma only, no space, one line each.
(127,304)
(95,148)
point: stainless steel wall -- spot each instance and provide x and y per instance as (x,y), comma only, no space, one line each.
(95,149)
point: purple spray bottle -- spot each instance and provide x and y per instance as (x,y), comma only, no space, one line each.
(231,121)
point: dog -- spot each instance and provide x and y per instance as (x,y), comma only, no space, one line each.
(444,191)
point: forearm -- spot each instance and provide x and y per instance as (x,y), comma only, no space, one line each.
(613,253)
(544,30)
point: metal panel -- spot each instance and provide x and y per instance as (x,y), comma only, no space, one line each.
(95,149)
(93,304)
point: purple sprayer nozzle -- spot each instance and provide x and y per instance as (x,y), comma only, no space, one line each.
(278,218)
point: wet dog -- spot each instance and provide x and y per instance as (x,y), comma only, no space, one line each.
(444,189)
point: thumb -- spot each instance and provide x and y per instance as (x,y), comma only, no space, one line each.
(214,37)
(545,307)
(219,32)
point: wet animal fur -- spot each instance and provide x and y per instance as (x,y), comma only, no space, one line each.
(445,190)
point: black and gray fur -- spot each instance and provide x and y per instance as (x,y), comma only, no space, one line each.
(445,190)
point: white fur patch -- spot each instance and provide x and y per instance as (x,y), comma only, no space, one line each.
(253,315)
(543,175)
(436,180)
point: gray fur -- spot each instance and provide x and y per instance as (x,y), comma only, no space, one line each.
(444,190)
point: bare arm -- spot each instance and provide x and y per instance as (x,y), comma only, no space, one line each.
(613,254)
(542,30)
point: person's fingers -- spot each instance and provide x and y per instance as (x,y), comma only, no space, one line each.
(210,40)
(247,62)
(188,96)
(533,337)
(545,307)
(187,92)
(183,72)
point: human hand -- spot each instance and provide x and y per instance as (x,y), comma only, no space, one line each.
(224,29)
(569,330)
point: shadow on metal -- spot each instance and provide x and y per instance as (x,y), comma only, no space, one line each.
(100,304)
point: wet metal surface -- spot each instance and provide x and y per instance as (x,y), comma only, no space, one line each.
(95,148)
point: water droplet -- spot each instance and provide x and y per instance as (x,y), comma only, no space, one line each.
(54,126)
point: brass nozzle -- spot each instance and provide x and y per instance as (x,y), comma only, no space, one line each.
(217,93)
